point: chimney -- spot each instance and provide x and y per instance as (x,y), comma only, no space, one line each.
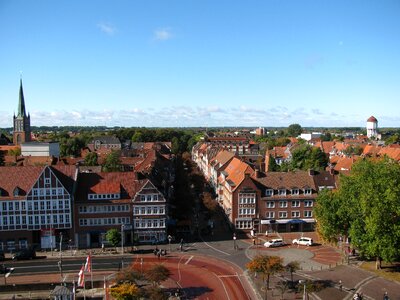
(257,173)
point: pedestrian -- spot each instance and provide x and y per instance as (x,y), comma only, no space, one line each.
(159,254)
(385,296)
(254,241)
(102,247)
(340,285)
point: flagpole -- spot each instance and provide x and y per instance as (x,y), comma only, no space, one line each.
(91,268)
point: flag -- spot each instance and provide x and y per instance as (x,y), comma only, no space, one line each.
(81,277)
(88,264)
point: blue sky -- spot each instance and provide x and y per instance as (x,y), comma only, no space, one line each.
(201,63)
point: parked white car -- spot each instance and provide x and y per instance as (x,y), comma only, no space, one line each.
(306,241)
(274,243)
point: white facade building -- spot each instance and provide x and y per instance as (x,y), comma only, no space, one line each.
(372,127)
(40,149)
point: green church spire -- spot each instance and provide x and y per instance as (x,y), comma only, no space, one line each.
(21,103)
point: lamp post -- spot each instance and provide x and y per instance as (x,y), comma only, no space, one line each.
(60,262)
(169,242)
(122,237)
(234,241)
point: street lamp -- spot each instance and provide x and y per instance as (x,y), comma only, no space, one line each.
(169,242)
(122,237)
(234,241)
(60,262)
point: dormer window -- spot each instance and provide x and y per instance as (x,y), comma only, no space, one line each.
(16,192)
(269,192)
(295,191)
(282,192)
(307,191)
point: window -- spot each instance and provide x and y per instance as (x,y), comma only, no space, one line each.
(295,214)
(155,197)
(10,206)
(48,206)
(4,206)
(161,210)
(148,198)
(53,192)
(47,180)
(66,204)
(54,205)
(308,213)
(244,224)
(60,204)
(308,203)
(270,204)
(62,219)
(142,198)
(67,219)
(29,205)
(137,211)
(5,221)
(17,206)
(269,192)
(35,192)
(282,214)
(307,191)
(282,192)
(42,220)
(35,205)
(296,203)
(60,191)
(23,220)
(11,219)
(282,203)
(295,191)
(270,214)
(41,205)
(17,220)
(30,220)
(23,205)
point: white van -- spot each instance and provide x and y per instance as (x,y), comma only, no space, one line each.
(306,241)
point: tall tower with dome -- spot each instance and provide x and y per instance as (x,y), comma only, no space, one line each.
(372,127)
(22,121)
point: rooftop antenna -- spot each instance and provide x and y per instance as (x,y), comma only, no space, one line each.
(20,75)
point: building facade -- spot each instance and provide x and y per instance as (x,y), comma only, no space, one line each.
(36,206)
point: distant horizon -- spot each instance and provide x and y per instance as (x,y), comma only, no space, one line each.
(204,63)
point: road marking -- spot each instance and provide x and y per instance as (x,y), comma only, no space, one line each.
(216,249)
(226,292)
(190,258)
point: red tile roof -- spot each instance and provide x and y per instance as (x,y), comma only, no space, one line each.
(372,119)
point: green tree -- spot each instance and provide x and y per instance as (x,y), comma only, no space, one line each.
(272,165)
(306,157)
(367,205)
(91,159)
(294,130)
(113,236)
(112,162)
(266,266)
(157,274)
(15,152)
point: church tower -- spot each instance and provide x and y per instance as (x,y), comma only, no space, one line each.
(22,122)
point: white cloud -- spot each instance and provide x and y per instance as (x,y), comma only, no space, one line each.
(107,28)
(163,34)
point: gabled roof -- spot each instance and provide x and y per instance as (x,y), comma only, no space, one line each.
(345,163)
(222,158)
(24,178)
(123,183)
(392,152)
(236,171)
(288,180)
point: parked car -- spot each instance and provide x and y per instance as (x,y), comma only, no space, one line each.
(274,243)
(306,241)
(24,254)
